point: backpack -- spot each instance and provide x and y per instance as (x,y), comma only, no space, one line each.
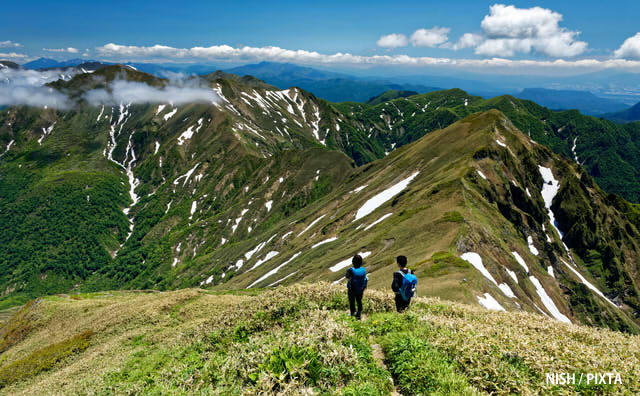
(359,278)
(408,287)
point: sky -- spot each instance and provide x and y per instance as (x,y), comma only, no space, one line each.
(570,36)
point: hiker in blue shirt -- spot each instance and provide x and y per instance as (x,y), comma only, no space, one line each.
(357,282)
(404,284)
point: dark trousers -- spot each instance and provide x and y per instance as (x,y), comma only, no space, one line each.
(355,297)
(401,304)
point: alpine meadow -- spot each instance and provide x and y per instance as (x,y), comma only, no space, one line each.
(179,221)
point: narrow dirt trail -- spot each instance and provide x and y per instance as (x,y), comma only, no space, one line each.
(378,355)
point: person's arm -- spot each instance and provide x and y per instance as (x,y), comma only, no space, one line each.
(395,285)
(348,274)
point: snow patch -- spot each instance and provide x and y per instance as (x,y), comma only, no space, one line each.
(532,248)
(520,261)
(378,200)
(170,114)
(549,191)
(380,220)
(266,258)
(274,271)
(547,301)
(587,283)
(490,303)
(475,260)
(45,132)
(512,275)
(285,278)
(311,225)
(329,240)
(347,262)
(357,190)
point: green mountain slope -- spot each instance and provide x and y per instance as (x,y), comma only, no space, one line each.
(610,152)
(628,115)
(297,340)
(256,190)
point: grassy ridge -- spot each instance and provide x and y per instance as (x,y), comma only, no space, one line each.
(299,339)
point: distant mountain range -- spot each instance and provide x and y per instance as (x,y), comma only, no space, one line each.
(335,87)
(585,101)
(47,63)
(343,87)
(628,115)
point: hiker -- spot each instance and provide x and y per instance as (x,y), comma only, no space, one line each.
(357,282)
(404,284)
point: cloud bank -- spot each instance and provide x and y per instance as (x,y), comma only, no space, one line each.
(277,54)
(70,50)
(121,91)
(9,44)
(26,87)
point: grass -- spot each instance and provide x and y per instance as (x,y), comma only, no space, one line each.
(43,359)
(300,339)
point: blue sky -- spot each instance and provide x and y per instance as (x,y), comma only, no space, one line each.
(591,30)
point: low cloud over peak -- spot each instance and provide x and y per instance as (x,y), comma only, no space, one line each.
(27,87)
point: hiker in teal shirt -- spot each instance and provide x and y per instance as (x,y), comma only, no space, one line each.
(357,282)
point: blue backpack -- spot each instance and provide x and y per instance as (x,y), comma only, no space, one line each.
(408,287)
(359,278)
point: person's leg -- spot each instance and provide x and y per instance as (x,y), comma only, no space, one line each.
(399,301)
(352,302)
(359,302)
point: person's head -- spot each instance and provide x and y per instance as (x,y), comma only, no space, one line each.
(402,261)
(357,261)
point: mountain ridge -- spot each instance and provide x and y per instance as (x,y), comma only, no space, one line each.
(241,192)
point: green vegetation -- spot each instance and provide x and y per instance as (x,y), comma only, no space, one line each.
(300,339)
(43,359)
(262,193)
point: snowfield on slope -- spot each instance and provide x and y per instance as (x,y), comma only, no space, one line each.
(347,262)
(547,301)
(378,200)
(490,303)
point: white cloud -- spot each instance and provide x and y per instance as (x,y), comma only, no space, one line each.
(393,40)
(121,91)
(630,49)
(26,87)
(70,50)
(276,54)
(430,37)
(468,40)
(9,44)
(12,55)
(508,31)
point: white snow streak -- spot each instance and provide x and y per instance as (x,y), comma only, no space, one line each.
(347,262)
(378,200)
(547,301)
(380,220)
(311,225)
(588,284)
(274,271)
(490,303)
(329,240)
